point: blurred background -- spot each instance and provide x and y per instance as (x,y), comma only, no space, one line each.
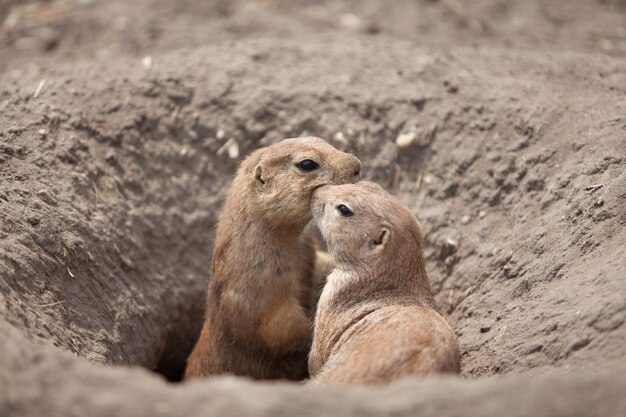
(41,31)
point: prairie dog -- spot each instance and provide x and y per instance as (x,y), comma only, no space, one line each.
(376,319)
(258,319)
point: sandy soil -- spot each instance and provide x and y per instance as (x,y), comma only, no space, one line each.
(121,124)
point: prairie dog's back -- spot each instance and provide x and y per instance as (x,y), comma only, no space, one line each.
(391,343)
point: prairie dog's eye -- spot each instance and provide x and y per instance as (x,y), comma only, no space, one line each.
(344,210)
(307,165)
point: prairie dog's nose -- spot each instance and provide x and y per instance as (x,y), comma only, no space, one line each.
(357,169)
(353,169)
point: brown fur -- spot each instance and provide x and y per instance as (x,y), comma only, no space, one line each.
(376,320)
(258,318)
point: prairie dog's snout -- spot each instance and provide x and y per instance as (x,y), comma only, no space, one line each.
(353,168)
(328,202)
(347,169)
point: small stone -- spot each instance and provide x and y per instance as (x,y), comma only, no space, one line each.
(484,328)
(146,61)
(127,263)
(599,202)
(450,261)
(509,272)
(220,134)
(405,139)
(482,214)
(47,198)
(452,244)
(447,248)
(341,141)
(110,158)
(233,151)
(465,219)
(350,21)
(33,220)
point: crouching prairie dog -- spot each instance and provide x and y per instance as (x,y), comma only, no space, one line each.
(376,320)
(258,318)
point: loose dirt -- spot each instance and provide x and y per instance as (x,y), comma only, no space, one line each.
(502,125)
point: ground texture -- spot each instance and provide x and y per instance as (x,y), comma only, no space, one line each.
(502,125)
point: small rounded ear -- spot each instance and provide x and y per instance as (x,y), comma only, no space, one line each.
(379,240)
(259,174)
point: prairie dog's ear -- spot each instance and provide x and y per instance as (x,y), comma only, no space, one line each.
(379,239)
(259,174)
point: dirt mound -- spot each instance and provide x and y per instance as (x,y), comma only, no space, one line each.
(113,166)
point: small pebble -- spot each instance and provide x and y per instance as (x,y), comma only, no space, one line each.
(447,248)
(452,244)
(350,21)
(482,214)
(405,139)
(233,151)
(341,140)
(147,62)
(484,328)
(465,219)
(47,197)
(110,158)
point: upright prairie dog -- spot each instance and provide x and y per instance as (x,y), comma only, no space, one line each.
(376,320)
(258,319)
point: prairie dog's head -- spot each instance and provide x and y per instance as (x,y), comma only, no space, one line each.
(364,226)
(284,176)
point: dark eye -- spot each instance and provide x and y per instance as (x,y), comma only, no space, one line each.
(344,210)
(307,165)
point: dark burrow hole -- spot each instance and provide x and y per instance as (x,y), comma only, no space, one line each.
(172,362)
(179,342)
